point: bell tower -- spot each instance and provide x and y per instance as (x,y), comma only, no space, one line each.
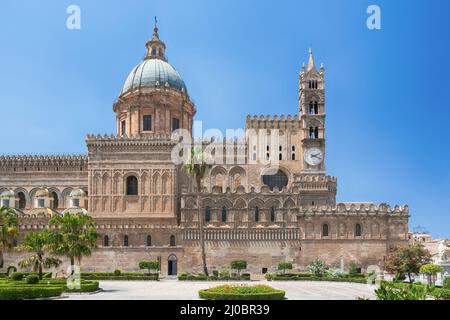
(312,117)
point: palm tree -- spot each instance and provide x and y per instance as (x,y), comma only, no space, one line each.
(38,243)
(75,237)
(8,229)
(197,168)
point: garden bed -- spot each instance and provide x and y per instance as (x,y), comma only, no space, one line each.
(122,276)
(312,277)
(436,292)
(45,288)
(202,277)
(242,292)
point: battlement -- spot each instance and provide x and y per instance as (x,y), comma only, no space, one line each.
(272,122)
(356,208)
(38,161)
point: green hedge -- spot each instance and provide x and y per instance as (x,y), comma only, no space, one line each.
(122,276)
(311,277)
(86,286)
(30,292)
(202,277)
(437,292)
(227,292)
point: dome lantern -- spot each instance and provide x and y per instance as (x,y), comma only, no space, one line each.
(155,47)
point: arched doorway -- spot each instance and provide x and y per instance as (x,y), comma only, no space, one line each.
(172,265)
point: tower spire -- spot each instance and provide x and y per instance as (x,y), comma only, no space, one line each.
(311,64)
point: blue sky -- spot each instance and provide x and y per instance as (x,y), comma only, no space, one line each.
(388,91)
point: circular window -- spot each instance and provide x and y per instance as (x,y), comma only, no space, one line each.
(277,179)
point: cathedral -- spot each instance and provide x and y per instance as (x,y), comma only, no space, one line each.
(273,203)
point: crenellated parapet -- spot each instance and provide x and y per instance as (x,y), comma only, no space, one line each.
(42,162)
(314,182)
(349,208)
(272,122)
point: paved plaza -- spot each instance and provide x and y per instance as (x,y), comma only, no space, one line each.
(188,290)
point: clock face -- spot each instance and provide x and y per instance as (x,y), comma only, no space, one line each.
(313,156)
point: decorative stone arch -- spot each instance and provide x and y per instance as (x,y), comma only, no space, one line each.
(270,170)
(106,183)
(342,229)
(240,203)
(165,183)
(256,202)
(96,183)
(236,177)
(172,263)
(65,197)
(272,203)
(224,202)
(32,197)
(156,183)
(325,229)
(117,177)
(358,229)
(127,175)
(215,173)
(208,202)
(18,190)
(57,192)
(144,182)
(190,203)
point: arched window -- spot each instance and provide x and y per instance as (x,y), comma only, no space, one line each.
(293,153)
(311,133)
(132,186)
(224,214)
(279,179)
(172,241)
(125,240)
(55,200)
(272,214)
(358,230)
(149,241)
(207,214)
(325,230)
(106,241)
(280,157)
(311,107)
(316,107)
(256,214)
(316,133)
(22,200)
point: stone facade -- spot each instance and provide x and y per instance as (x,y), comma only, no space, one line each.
(272,202)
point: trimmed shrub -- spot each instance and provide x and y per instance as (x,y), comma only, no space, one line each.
(239,265)
(446,283)
(117,272)
(10,270)
(352,269)
(122,276)
(149,265)
(285,266)
(21,293)
(47,275)
(243,292)
(32,279)
(17,276)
